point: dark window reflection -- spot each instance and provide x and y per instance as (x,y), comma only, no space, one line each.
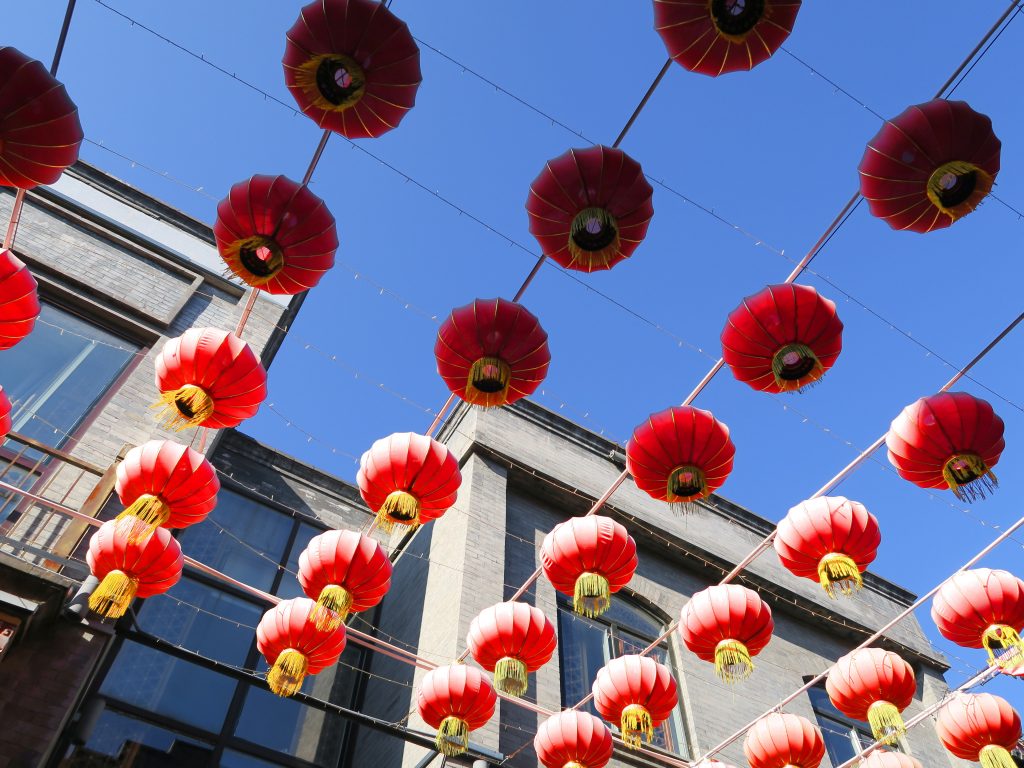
(124,742)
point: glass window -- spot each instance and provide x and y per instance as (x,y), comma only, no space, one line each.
(18,477)
(232,759)
(844,737)
(122,741)
(287,726)
(289,584)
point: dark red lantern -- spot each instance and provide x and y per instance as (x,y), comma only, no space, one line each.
(295,646)
(492,352)
(40,134)
(275,235)
(130,567)
(455,700)
(637,693)
(930,166)
(5,414)
(589,558)
(949,440)
(782,339)
(782,740)
(882,759)
(589,208)
(573,739)
(873,685)
(408,479)
(511,640)
(209,378)
(727,625)
(983,608)
(352,66)
(980,728)
(714,37)
(680,455)
(345,572)
(19,301)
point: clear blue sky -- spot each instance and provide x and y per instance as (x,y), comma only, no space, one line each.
(774,151)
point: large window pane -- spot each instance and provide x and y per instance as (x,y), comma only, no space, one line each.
(118,740)
(584,650)
(843,737)
(289,584)
(232,759)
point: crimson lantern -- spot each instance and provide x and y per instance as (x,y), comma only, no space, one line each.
(589,558)
(714,37)
(573,739)
(40,134)
(983,608)
(637,693)
(5,414)
(128,568)
(352,66)
(930,166)
(209,378)
(829,539)
(408,479)
(873,685)
(781,740)
(589,208)
(345,572)
(949,440)
(882,759)
(19,302)
(981,728)
(727,624)
(511,640)
(275,235)
(455,700)
(782,339)
(295,646)
(492,352)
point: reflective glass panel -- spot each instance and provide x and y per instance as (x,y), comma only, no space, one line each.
(122,741)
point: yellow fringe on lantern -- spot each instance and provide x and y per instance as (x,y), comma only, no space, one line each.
(241,255)
(144,515)
(994,756)
(399,508)
(792,377)
(574,764)
(307,77)
(592,594)
(886,722)
(332,608)
(959,169)
(510,676)
(286,676)
(732,661)
(968,476)
(114,594)
(686,483)
(636,725)
(594,248)
(1004,645)
(452,737)
(487,383)
(838,573)
(186,407)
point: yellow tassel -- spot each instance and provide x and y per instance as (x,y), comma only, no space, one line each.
(255,260)
(286,676)
(114,594)
(1004,645)
(399,508)
(452,737)
(795,367)
(332,608)
(144,515)
(994,756)
(594,237)
(487,384)
(592,594)
(969,477)
(838,573)
(510,676)
(957,187)
(636,726)
(886,722)
(685,483)
(318,79)
(186,407)
(732,661)
(574,764)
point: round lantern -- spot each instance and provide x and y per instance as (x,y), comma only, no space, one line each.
(455,700)
(19,302)
(511,640)
(573,739)
(275,235)
(715,37)
(781,740)
(130,568)
(492,352)
(949,440)
(352,67)
(680,455)
(589,558)
(589,208)
(40,134)
(408,479)
(209,378)
(981,728)
(882,759)
(636,692)
(983,608)
(930,166)
(873,685)
(345,572)
(5,415)
(727,625)
(782,339)
(295,646)
(828,539)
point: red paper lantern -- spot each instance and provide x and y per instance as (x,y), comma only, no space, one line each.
(455,700)
(589,558)
(511,640)
(728,625)
(873,685)
(573,739)
(5,414)
(408,479)
(492,352)
(983,608)
(295,646)
(782,339)
(930,166)
(882,759)
(209,378)
(589,208)
(352,67)
(130,567)
(636,692)
(981,728)
(19,302)
(275,235)
(680,455)
(40,134)
(781,740)
(829,539)
(714,37)
(345,572)
(949,440)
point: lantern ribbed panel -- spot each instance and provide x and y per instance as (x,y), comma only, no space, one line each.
(972,601)
(573,737)
(5,414)
(634,679)
(863,677)
(154,561)
(882,759)
(455,691)
(725,612)
(19,300)
(971,722)
(823,526)
(594,544)
(347,559)
(182,478)
(779,740)
(515,630)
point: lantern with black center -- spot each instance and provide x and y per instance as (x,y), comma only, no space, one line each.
(5,415)
(130,567)
(873,685)
(492,352)
(727,625)
(636,693)
(19,300)
(294,646)
(573,739)
(983,608)
(511,640)
(981,728)
(455,700)
(781,740)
